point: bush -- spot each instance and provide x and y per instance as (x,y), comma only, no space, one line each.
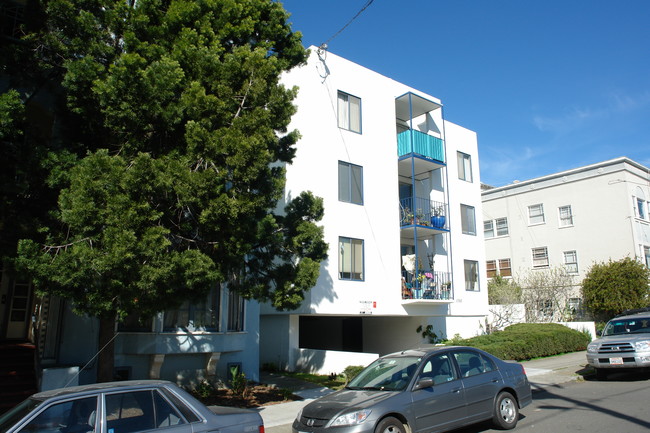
(351,371)
(529,340)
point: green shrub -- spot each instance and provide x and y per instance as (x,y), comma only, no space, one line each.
(351,371)
(529,340)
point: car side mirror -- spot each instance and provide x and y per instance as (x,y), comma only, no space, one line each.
(425,382)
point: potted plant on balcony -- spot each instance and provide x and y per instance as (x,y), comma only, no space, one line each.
(420,219)
(438,219)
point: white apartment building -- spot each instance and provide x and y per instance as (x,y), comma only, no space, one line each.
(570,219)
(401,193)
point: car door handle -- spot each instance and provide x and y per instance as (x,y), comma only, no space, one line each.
(456,390)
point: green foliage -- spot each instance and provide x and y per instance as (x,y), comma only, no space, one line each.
(238,382)
(351,371)
(530,340)
(503,291)
(167,156)
(203,390)
(428,333)
(611,288)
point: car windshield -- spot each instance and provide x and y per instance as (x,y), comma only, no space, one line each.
(386,374)
(10,418)
(627,326)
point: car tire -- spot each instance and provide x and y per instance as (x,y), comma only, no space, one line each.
(506,411)
(601,374)
(390,425)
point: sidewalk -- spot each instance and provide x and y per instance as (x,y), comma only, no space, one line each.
(541,373)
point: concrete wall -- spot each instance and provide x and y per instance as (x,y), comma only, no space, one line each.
(331,361)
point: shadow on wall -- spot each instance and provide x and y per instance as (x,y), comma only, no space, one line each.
(331,361)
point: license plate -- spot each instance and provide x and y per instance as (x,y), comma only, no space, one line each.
(616,361)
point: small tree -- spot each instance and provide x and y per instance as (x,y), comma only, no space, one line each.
(546,293)
(613,287)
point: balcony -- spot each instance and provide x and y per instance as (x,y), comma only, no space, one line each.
(429,286)
(427,216)
(420,144)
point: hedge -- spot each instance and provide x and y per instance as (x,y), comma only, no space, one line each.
(529,340)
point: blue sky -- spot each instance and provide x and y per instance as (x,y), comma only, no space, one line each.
(548,85)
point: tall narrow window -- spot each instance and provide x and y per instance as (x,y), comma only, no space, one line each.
(349,112)
(350,183)
(491,268)
(540,257)
(471,275)
(502,226)
(566,217)
(640,206)
(646,255)
(235,312)
(488,229)
(571,262)
(536,214)
(350,259)
(464,166)
(505,268)
(468,219)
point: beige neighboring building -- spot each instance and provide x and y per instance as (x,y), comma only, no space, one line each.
(570,219)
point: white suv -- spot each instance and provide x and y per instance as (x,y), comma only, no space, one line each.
(625,343)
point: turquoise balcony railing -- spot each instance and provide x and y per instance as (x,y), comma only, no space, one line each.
(419,143)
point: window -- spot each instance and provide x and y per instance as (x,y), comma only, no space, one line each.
(502,226)
(640,207)
(472,363)
(646,254)
(73,415)
(349,112)
(571,262)
(544,308)
(464,166)
(488,229)
(350,183)
(505,268)
(131,411)
(536,214)
(468,219)
(440,369)
(491,268)
(540,257)
(235,312)
(566,217)
(471,275)
(197,316)
(350,259)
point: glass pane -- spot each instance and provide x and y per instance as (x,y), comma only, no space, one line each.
(344,182)
(357,184)
(355,114)
(357,265)
(343,111)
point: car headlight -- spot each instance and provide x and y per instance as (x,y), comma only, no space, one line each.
(352,418)
(299,414)
(592,347)
(642,346)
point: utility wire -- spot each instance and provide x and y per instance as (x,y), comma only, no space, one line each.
(368,3)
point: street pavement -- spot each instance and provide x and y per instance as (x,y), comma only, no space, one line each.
(546,372)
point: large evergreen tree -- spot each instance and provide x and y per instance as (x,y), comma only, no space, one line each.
(179,108)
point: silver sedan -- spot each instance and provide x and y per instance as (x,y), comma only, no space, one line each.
(423,390)
(124,407)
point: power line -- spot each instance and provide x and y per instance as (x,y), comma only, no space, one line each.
(368,3)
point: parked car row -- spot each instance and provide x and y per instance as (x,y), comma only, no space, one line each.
(435,389)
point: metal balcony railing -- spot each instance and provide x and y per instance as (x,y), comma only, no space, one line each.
(423,212)
(427,285)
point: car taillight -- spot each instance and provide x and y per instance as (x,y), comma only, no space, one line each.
(523,370)
(260,429)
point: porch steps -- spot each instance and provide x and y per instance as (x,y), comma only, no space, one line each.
(17,373)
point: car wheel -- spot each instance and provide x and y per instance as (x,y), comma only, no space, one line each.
(601,374)
(390,425)
(506,411)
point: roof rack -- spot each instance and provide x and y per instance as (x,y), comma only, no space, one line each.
(633,311)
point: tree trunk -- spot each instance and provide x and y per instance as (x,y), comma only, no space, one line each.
(106,358)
